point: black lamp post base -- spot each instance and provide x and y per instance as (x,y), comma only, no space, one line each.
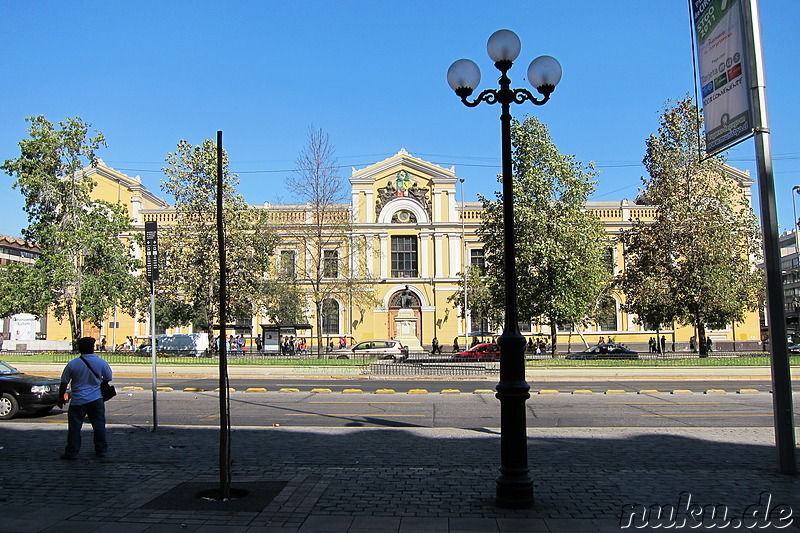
(514,490)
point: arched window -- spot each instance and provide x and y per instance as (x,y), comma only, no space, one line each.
(607,314)
(330,317)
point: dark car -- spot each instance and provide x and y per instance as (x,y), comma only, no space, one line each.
(605,351)
(488,351)
(25,392)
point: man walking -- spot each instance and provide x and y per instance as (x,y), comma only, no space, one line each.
(86,399)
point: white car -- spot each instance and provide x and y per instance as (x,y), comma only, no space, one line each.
(381,349)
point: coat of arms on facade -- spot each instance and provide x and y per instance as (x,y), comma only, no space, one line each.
(403,186)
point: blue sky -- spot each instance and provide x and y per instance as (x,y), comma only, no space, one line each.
(372,75)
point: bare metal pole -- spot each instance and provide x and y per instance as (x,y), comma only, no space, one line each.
(153,352)
(224,422)
(776,312)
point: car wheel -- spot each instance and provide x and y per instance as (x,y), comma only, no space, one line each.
(343,356)
(8,406)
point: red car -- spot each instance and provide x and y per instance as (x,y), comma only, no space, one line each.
(488,351)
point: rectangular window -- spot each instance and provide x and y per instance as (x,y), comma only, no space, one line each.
(286,267)
(330,263)
(477,258)
(404,257)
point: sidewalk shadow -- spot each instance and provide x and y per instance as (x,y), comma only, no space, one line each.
(391,472)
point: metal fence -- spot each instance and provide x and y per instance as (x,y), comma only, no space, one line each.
(419,363)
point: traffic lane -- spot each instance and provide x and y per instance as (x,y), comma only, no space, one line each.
(435,410)
(652,410)
(403,385)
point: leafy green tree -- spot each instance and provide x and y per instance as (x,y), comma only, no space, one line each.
(481,303)
(561,273)
(188,289)
(85,268)
(694,263)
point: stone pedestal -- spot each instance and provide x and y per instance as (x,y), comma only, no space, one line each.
(406,329)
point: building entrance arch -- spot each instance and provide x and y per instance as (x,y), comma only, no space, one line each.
(415,301)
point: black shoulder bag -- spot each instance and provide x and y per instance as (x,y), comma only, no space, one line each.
(106,389)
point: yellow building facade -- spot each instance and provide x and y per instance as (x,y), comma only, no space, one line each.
(407,225)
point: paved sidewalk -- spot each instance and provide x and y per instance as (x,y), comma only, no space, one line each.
(378,480)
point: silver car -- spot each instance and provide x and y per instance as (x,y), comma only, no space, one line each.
(379,349)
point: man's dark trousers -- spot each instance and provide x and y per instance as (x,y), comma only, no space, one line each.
(96,411)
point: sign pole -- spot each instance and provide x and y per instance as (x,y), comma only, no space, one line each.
(151,269)
(153,352)
(776,312)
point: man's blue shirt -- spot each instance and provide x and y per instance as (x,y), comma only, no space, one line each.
(85,386)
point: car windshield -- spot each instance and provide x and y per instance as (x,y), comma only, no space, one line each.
(6,369)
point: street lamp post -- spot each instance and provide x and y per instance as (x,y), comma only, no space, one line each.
(464,259)
(795,228)
(514,486)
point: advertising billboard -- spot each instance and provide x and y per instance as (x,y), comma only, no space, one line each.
(723,76)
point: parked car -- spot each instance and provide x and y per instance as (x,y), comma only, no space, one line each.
(379,349)
(794,350)
(488,351)
(25,392)
(178,344)
(605,351)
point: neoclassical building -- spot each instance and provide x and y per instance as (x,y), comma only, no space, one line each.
(406,225)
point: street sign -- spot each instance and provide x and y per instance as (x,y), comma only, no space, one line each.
(151,250)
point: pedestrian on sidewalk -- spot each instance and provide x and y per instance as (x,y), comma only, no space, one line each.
(84,374)
(435,347)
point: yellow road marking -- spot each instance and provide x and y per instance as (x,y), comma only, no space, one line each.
(346,403)
(662,403)
(703,415)
(380,415)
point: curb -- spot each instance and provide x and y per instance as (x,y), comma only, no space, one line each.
(540,392)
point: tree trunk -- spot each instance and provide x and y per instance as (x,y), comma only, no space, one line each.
(319,329)
(74,325)
(553,338)
(578,329)
(701,333)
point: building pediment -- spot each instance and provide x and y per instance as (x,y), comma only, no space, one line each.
(403,176)
(418,169)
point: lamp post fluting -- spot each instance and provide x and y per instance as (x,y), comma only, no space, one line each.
(514,486)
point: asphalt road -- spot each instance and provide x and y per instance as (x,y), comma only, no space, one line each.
(436,410)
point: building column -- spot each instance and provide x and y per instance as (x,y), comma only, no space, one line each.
(456,255)
(369,254)
(438,255)
(385,256)
(424,259)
